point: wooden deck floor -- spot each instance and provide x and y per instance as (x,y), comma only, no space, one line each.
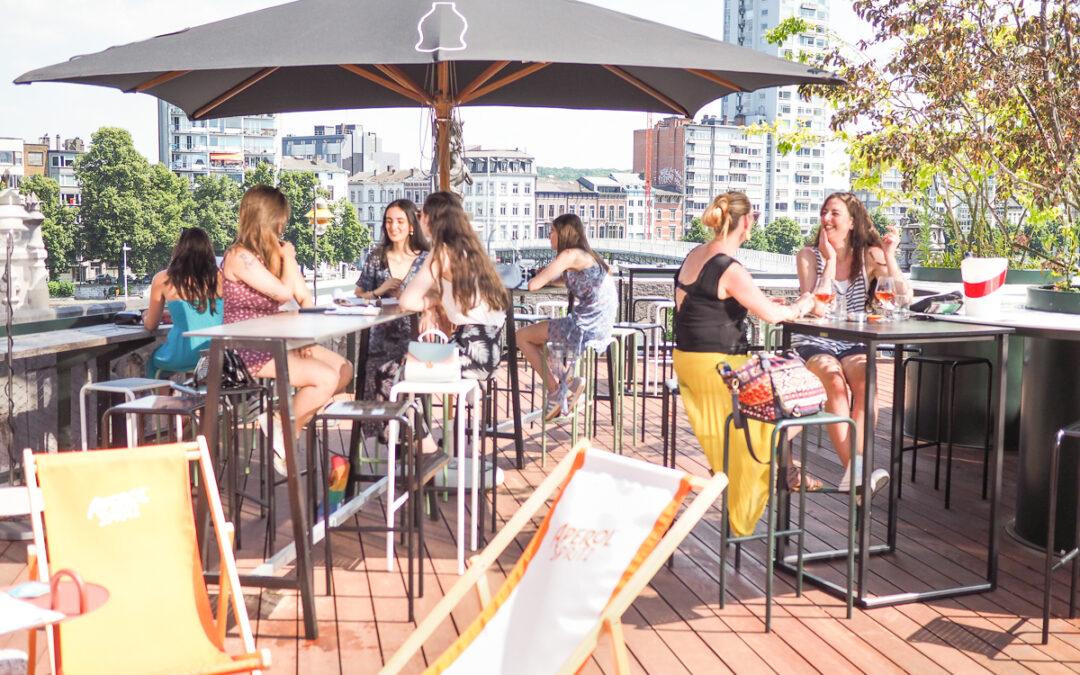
(677,625)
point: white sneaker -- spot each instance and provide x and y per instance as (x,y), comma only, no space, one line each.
(277,443)
(879,478)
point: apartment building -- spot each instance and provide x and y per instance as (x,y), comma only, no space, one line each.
(61,168)
(331,177)
(348,146)
(633,186)
(501,199)
(35,156)
(12,168)
(702,160)
(228,146)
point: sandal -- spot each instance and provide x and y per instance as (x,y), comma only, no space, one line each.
(794,474)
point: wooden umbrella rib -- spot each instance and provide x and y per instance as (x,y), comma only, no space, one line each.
(155,81)
(622,74)
(715,79)
(402,78)
(231,93)
(489,72)
(502,82)
(383,82)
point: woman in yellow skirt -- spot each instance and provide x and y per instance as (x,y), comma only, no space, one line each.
(713,293)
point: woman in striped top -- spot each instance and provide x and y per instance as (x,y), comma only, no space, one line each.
(850,256)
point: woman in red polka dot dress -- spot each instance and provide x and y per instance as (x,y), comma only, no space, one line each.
(259,273)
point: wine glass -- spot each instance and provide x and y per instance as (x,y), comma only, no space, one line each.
(886,295)
(904,296)
(825,292)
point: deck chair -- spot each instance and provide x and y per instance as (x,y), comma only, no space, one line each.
(123,519)
(599,545)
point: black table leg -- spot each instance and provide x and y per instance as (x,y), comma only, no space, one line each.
(210,432)
(998,384)
(515,389)
(870,396)
(896,451)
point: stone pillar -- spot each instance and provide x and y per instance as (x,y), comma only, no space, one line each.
(29,276)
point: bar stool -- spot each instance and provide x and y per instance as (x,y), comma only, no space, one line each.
(1071,431)
(155,405)
(669,420)
(946,410)
(130,387)
(418,470)
(460,389)
(778,490)
(552,309)
(618,358)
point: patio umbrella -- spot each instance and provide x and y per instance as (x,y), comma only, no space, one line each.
(346,54)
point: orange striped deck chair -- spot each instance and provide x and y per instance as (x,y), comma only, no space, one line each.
(123,519)
(610,527)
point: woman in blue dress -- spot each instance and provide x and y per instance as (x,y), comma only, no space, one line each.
(190,291)
(588,324)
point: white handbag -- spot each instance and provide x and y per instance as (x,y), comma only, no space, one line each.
(432,361)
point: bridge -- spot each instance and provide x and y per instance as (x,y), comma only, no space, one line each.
(640,251)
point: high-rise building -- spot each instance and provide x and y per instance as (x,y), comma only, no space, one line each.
(228,146)
(796,183)
(699,161)
(501,199)
(346,145)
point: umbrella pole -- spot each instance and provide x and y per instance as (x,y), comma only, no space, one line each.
(444,107)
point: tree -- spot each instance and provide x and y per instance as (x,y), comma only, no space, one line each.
(880,220)
(215,207)
(300,189)
(168,201)
(784,236)
(262,174)
(758,241)
(348,237)
(697,232)
(61,223)
(115,182)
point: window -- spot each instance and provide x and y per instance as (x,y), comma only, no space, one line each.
(371,213)
(528,189)
(528,210)
(621,212)
(514,188)
(601,212)
(672,212)
(35,159)
(592,210)
(573,209)
(480,189)
(7,157)
(514,210)
(479,209)
(502,210)
(551,210)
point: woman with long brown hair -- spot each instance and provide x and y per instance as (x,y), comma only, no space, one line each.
(259,274)
(459,276)
(848,260)
(585,275)
(190,291)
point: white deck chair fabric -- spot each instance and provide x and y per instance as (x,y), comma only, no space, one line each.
(609,516)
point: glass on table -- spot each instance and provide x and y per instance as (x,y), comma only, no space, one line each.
(886,295)
(825,292)
(904,297)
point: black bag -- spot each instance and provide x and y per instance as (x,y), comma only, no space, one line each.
(128,317)
(234,374)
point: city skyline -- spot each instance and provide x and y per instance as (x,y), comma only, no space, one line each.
(555,137)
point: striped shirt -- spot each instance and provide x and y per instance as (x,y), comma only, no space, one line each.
(856,299)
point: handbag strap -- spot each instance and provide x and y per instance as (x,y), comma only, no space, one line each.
(433,331)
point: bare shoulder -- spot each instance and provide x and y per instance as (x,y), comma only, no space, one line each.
(806,253)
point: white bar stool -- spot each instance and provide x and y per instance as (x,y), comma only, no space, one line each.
(460,389)
(129,387)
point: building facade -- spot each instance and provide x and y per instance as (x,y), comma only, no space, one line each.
(346,145)
(501,199)
(700,161)
(61,168)
(228,146)
(35,156)
(11,162)
(371,192)
(633,186)
(796,183)
(331,177)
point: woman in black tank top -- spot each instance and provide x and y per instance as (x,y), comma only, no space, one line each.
(713,295)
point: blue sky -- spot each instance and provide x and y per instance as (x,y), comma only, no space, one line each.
(41,32)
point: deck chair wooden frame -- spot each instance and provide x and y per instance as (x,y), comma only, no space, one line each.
(251,660)
(708,491)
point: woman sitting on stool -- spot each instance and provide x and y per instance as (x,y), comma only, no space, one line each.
(187,293)
(585,275)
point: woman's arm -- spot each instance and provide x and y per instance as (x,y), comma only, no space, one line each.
(553,271)
(736,282)
(301,292)
(242,265)
(884,263)
(151,318)
(417,295)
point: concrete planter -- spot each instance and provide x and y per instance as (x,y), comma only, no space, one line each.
(1048,299)
(952,275)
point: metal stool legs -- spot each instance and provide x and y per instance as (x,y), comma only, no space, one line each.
(1071,431)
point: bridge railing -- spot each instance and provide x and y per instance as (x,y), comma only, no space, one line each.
(674,251)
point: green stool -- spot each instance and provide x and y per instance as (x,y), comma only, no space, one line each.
(778,484)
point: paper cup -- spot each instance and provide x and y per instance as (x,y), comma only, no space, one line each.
(983,279)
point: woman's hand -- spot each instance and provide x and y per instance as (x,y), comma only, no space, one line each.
(890,241)
(391,287)
(435,318)
(828,253)
(288,251)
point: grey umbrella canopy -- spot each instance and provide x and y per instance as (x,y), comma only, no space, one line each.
(345,54)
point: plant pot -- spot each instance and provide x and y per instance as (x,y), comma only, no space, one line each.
(1049,299)
(952,275)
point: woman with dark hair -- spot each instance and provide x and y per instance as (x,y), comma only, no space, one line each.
(259,274)
(848,260)
(589,323)
(459,276)
(190,290)
(387,269)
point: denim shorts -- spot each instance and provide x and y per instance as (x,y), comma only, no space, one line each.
(834,348)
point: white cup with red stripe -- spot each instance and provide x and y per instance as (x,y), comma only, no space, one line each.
(983,280)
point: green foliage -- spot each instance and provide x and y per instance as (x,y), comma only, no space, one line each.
(300,188)
(787,29)
(758,240)
(697,232)
(262,174)
(572,173)
(61,224)
(215,207)
(167,202)
(61,289)
(347,237)
(880,220)
(783,236)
